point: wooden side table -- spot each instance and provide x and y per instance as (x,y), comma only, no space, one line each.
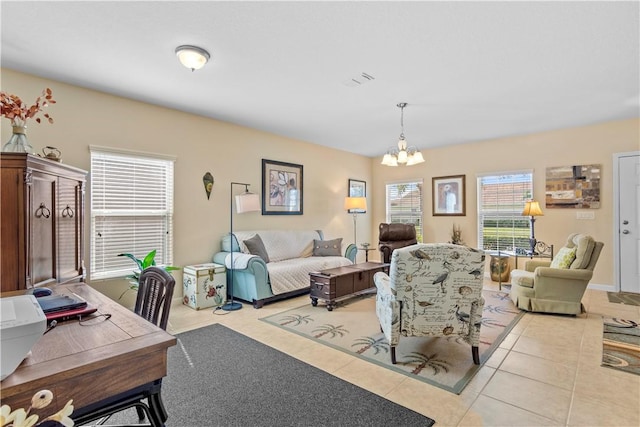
(366,252)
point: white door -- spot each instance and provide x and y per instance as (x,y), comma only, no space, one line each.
(629,222)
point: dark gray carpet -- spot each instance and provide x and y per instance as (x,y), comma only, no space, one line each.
(218,377)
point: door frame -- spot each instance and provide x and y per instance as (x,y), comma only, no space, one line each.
(616,216)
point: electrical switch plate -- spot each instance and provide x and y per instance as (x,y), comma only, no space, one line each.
(586,215)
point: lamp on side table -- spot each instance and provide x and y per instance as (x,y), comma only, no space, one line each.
(532,209)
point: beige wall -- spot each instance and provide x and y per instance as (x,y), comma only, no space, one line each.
(576,146)
(231,153)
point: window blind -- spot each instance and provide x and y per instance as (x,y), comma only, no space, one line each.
(131,211)
(501,199)
(404,204)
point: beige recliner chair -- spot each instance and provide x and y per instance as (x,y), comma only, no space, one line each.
(557,286)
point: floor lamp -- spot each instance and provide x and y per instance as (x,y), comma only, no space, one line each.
(532,209)
(355,205)
(245,202)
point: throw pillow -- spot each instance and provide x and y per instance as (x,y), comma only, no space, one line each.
(327,247)
(564,258)
(255,245)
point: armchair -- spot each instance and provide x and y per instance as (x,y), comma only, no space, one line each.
(557,286)
(393,236)
(432,290)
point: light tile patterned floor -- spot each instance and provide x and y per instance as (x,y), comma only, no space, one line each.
(546,372)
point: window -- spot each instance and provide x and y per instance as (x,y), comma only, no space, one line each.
(501,199)
(404,204)
(131,210)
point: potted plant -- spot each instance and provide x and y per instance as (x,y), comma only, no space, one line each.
(148,261)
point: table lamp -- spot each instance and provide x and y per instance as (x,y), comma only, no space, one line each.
(532,209)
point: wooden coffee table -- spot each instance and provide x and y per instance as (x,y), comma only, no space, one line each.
(336,284)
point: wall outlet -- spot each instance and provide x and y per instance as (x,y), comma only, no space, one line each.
(586,215)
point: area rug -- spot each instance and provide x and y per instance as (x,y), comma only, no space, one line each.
(628,298)
(218,377)
(621,345)
(353,328)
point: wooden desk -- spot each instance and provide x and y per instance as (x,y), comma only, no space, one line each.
(91,364)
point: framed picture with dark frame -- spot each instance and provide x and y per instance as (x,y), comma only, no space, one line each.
(281,188)
(357,188)
(448,195)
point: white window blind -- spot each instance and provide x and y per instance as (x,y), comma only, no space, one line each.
(131,211)
(501,199)
(404,204)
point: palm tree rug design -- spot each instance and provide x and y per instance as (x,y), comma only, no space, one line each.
(353,328)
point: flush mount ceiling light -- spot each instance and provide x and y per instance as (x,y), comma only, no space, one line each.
(192,57)
(402,155)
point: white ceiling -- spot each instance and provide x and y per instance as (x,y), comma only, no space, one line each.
(469,71)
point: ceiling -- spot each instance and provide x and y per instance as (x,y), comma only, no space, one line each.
(469,71)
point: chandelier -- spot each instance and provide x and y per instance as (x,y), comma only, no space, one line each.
(402,155)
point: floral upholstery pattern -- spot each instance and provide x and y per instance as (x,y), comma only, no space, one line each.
(432,290)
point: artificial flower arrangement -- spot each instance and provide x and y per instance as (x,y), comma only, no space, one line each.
(40,400)
(14,109)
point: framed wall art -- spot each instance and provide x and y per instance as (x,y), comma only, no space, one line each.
(281,188)
(573,187)
(357,189)
(448,195)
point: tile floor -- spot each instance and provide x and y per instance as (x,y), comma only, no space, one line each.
(546,372)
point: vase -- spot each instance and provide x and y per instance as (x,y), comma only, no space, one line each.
(18,142)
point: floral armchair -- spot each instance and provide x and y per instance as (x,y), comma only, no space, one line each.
(432,290)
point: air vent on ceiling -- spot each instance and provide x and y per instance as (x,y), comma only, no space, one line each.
(359,80)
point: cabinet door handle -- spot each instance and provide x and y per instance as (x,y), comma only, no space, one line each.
(67,212)
(43,211)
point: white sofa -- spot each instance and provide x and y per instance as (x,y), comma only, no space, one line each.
(291,259)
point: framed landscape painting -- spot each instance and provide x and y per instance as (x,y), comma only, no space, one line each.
(448,195)
(281,188)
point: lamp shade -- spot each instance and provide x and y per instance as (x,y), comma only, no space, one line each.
(355,203)
(247,202)
(417,158)
(532,208)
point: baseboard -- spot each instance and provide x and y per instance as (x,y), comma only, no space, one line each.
(599,287)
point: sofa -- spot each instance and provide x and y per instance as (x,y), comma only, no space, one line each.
(270,265)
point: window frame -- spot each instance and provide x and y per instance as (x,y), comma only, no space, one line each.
(419,183)
(510,211)
(160,212)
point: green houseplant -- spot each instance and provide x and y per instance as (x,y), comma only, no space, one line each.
(148,261)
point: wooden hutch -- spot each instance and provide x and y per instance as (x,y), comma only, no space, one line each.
(41,222)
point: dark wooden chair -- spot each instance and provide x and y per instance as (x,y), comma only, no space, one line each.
(155,291)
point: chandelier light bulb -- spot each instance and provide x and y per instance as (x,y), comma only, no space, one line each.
(402,155)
